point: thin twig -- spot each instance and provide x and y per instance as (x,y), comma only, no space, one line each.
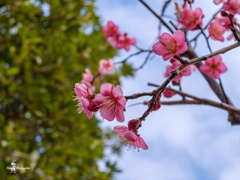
(209,22)
(145,62)
(139,52)
(163,22)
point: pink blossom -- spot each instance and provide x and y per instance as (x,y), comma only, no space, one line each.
(110,29)
(106,67)
(130,138)
(175,64)
(167,93)
(193,67)
(85,100)
(230,37)
(87,80)
(225,22)
(124,41)
(233,6)
(169,46)
(190,18)
(218,1)
(214,67)
(114,39)
(133,124)
(111,102)
(157,105)
(216,31)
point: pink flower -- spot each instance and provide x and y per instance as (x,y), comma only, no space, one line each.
(106,67)
(175,64)
(190,18)
(130,138)
(216,31)
(156,107)
(85,100)
(87,80)
(193,67)
(110,29)
(111,102)
(233,6)
(169,46)
(168,94)
(114,39)
(218,1)
(224,21)
(124,41)
(214,67)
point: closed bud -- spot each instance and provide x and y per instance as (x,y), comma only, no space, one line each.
(92,107)
(133,124)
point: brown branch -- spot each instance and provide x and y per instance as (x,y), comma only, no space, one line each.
(224,106)
(163,22)
(137,95)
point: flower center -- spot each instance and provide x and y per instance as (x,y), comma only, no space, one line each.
(213,66)
(171,46)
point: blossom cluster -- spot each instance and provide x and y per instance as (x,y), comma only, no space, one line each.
(116,38)
(111,102)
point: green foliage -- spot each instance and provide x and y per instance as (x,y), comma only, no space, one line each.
(42,55)
(127,70)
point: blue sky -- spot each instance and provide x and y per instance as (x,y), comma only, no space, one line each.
(185,142)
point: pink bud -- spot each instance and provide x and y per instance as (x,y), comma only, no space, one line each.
(92,107)
(168,94)
(133,124)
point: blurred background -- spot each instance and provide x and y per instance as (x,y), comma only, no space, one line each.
(45,46)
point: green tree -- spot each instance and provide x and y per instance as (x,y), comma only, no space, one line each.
(45,46)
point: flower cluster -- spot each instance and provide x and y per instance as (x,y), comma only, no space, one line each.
(110,101)
(114,36)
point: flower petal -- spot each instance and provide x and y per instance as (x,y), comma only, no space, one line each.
(120,115)
(179,36)
(130,136)
(106,89)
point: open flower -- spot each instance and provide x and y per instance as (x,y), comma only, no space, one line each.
(225,22)
(169,46)
(106,67)
(214,67)
(216,31)
(85,100)
(111,102)
(110,29)
(130,138)
(233,6)
(175,64)
(124,41)
(190,18)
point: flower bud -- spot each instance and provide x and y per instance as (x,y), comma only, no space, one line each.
(168,94)
(92,107)
(157,105)
(133,124)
